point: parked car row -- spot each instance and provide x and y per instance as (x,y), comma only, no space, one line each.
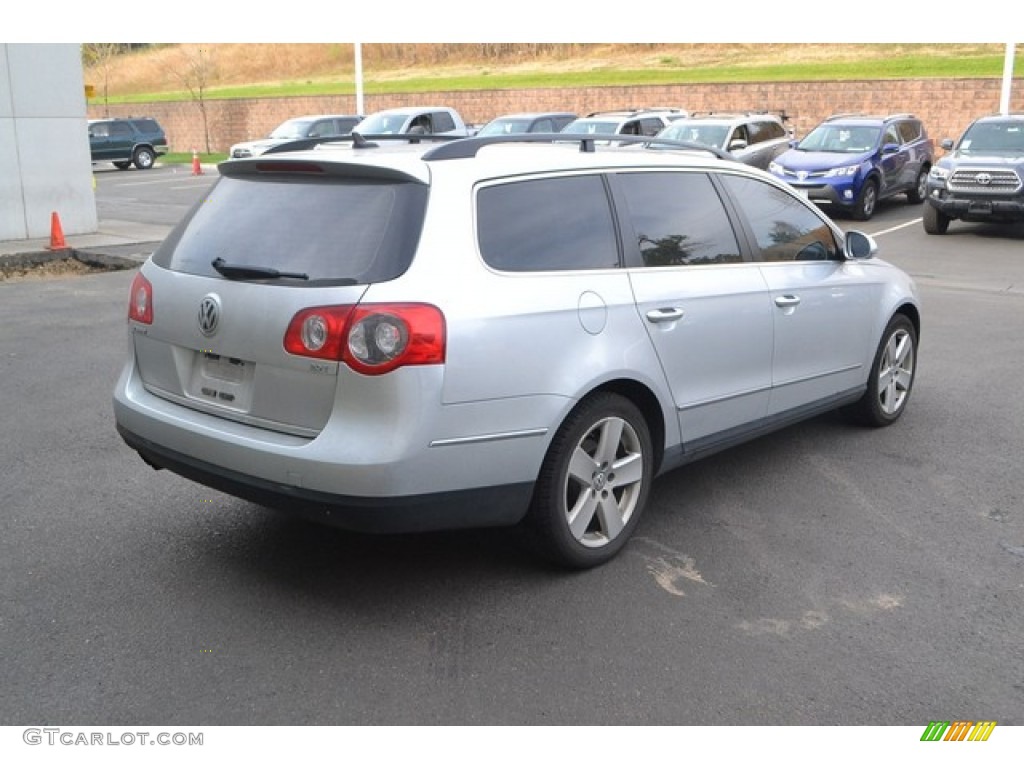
(848,163)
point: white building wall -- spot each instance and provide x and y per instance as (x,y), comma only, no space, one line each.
(45,164)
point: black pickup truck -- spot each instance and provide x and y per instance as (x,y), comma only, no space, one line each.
(982,177)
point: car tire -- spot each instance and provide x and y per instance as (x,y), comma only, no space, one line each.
(892,376)
(593,484)
(920,190)
(123,165)
(143,158)
(865,206)
(935,221)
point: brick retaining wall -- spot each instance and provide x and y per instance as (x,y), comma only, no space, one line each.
(945,105)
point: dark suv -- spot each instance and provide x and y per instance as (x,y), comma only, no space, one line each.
(982,179)
(127,141)
(850,162)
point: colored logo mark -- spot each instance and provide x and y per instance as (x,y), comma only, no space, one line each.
(958,730)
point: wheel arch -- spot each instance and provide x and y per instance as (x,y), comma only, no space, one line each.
(647,402)
(912,313)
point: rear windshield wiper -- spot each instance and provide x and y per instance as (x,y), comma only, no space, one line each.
(248,272)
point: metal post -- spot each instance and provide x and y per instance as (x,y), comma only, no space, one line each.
(1004,99)
(359,79)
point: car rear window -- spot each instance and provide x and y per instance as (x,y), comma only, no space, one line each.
(333,230)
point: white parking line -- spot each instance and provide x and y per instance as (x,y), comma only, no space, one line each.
(897,227)
(166,180)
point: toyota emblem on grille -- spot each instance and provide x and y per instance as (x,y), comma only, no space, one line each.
(984,179)
(209,314)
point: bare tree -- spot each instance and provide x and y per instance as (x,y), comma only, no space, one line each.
(195,73)
(100,57)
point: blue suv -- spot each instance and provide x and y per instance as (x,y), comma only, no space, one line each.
(850,162)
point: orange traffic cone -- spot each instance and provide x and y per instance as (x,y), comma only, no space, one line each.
(56,233)
(197,169)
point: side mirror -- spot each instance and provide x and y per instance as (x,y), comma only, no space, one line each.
(890,149)
(859,245)
(737,144)
(947,144)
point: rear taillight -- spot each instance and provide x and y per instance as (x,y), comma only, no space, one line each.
(140,305)
(369,338)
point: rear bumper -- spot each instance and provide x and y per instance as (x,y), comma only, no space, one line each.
(471,508)
(388,472)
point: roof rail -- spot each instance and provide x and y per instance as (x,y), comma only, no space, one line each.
(467,148)
(634,112)
(779,113)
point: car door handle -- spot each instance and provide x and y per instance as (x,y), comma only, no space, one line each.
(787,301)
(665,314)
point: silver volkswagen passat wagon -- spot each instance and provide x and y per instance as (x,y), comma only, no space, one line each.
(410,335)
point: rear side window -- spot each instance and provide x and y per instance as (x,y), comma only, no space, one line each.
(784,228)
(333,230)
(147,126)
(765,130)
(442,122)
(120,129)
(910,131)
(547,225)
(678,219)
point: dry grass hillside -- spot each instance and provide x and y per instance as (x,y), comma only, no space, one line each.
(151,70)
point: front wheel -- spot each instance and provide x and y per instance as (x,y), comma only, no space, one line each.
(920,190)
(892,376)
(594,482)
(143,158)
(935,221)
(864,209)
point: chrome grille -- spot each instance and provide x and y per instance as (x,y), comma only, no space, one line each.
(985,181)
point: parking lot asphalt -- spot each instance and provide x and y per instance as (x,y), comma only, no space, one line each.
(119,242)
(822,575)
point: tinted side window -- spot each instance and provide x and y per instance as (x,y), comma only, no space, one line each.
(910,131)
(784,228)
(147,126)
(678,219)
(322,128)
(120,129)
(650,126)
(891,136)
(771,130)
(547,224)
(442,122)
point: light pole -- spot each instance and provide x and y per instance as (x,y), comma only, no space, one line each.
(1004,100)
(359,79)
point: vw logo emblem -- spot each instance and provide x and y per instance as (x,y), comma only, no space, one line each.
(209,314)
(984,178)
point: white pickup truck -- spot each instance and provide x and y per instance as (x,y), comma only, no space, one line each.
(439,121)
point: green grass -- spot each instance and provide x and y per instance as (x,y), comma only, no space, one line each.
(873,69)
(185,158)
